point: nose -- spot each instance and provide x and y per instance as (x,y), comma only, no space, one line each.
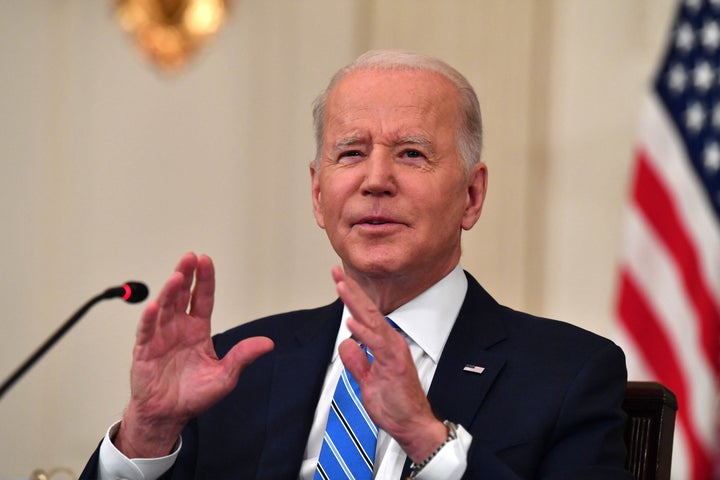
(380,173)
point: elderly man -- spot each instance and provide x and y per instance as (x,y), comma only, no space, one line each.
(415,370)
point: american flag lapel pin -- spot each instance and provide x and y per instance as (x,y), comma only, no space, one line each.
(473,369)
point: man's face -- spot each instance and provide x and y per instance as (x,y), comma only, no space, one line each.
(391,191)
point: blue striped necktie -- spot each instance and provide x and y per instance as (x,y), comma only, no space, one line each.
(348,449)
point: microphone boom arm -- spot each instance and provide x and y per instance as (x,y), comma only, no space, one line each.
(125,291)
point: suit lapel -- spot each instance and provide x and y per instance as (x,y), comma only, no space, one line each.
(297,377)
(456,394)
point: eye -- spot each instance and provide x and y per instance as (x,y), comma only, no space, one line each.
(350,156)
(412,156)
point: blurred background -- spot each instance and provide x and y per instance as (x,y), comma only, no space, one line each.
(112,167)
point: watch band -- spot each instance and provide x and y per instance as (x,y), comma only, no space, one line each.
(415,468)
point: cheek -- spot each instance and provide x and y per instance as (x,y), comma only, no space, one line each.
(327,210)
(333,193)
(448,215)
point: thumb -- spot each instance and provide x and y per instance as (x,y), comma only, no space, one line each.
(244,353)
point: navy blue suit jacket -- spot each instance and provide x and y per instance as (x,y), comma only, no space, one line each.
(547,405)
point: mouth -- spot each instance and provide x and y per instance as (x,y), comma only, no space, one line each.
(376,221)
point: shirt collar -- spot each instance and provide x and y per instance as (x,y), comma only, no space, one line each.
(428,318)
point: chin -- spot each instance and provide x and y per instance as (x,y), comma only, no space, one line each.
(378,266)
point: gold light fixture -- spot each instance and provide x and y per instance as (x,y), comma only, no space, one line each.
(170,31)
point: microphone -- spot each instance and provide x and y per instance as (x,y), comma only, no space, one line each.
(131,292)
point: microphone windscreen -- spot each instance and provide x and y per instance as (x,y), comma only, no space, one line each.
(135,292)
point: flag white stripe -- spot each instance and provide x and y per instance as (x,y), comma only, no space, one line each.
(680,468)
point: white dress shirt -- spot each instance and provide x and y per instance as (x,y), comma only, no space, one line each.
(426,322)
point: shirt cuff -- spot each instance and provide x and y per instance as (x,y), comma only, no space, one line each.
(114,465)
(451,461)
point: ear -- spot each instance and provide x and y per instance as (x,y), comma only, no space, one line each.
(316,195)
(476,190)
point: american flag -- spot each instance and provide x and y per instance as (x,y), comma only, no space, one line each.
(669,281)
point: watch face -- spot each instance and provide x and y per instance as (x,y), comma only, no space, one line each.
(452,429)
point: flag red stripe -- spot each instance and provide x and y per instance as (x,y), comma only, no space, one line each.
(657,205)
(646,330)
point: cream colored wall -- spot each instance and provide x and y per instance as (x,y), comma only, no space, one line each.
(111,170)
(603,54)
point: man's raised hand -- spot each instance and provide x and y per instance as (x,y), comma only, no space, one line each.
(391,390)
(175,373)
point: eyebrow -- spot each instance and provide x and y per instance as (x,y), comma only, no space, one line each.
(409,140)
(344,142)
(415,140)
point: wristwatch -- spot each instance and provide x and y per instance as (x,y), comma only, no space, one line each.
(415,468)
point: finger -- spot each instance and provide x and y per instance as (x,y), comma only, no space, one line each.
(244,353)
(203,294)
(167,299)
(355,360)
(146,325)
(389,349)
(365,335)
(368,325)
(360,305)
(186,266)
